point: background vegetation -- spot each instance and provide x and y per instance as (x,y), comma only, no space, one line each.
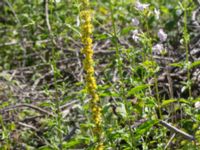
(146,66)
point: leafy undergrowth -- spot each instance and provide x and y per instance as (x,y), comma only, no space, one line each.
(147,61)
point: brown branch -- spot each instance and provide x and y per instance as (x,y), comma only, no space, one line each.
(29,106)
(170,140)
(47,15)
(178,131)
(27,126)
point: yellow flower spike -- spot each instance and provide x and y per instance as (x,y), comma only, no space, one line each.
(91,86)
(87,28)
(96,98)
(100,147)
(85,14)
(85,2)
(87,41)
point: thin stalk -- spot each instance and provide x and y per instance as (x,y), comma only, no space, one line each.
(55,77)
(119,65)
(186,41)
(158,97)
(57,102)
(149,43)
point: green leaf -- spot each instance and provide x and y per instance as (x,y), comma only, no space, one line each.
(87,125)
(46,147)
(195,64)
(121,110)
(180,64)
(126,30)
(145,127)
(71,143)
(106,94)
(12,126)
(138,89)
(167,102)
(74,29)
(165,10)
(46,104)
(101,36)
(184,101)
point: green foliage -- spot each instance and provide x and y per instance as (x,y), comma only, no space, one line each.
(126,70)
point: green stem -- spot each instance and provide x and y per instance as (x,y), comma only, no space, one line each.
(120,65)
(57,101)
(186,41)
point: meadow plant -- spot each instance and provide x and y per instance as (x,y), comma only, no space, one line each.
(142,107)
(88,66)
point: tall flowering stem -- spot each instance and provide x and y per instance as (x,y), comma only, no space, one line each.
(88,64)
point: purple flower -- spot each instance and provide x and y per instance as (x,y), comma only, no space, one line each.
(135,21)
(140,6)
(135,35)
(158,48)
(197,105)
(162,35)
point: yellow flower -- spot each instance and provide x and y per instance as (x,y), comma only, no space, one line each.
(87,28)
(85,14)
(100,147)
(88,63)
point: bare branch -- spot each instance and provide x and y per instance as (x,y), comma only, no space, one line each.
(178,131)
(29,106)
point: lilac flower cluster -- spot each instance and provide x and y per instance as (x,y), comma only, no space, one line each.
(139,6)
(135,35)
(135,21)
(159,47)
(162,35)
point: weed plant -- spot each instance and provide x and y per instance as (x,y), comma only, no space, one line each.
(113,98)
